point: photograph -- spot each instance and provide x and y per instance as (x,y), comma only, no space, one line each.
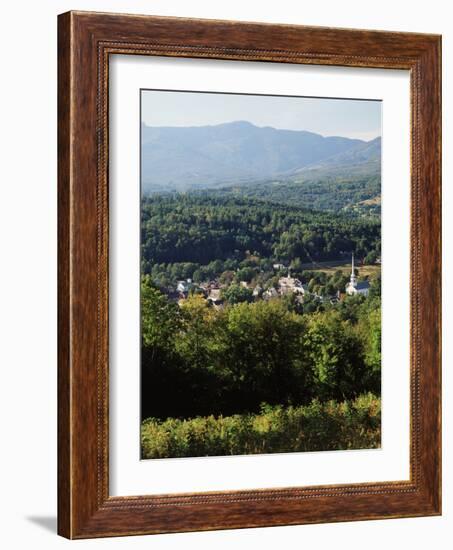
(260,274)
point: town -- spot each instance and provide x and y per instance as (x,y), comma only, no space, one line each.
(217,293)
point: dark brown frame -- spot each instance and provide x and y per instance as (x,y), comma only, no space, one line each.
(85,41)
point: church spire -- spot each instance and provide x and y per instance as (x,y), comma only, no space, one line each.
(353,277)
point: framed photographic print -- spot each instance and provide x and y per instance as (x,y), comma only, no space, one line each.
(249,275)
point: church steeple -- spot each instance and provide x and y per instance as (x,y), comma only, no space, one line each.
(353,280)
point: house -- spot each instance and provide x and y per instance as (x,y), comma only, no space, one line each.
(278,267)
(184,286)
(257,291)
(354,287)
(270,293)
(215,299)
(214,296)
(289,285)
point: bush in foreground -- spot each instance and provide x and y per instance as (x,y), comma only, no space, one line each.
(354,424)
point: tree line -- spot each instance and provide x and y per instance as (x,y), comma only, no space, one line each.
(195,230)
(324,191)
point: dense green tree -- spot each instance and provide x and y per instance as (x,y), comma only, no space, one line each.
(336,353)
(245,274)
(194,341)
(161,319)
(235,294)
(371,257)
(265,355)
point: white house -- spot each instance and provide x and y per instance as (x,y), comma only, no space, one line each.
(270,293)
(288,285)
(257,291)
(184,286)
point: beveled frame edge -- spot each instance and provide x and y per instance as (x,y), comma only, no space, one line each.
(85,41)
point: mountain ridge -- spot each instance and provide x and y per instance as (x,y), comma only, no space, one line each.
(198,157)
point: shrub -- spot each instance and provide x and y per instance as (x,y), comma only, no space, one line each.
(354,424)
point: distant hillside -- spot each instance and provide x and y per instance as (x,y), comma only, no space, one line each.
(361,163)
(349,182)
(355,195)
(366,153)
(202,157)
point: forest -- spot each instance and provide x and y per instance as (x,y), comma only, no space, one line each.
(350,194)
(202,235)
(252,370)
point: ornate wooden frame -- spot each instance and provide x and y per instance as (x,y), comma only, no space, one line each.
(85,41)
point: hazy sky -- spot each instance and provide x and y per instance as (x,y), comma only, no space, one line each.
(329,117)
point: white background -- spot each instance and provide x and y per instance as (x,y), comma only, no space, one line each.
(129,476)
(28,272)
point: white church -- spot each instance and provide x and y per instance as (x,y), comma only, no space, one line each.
(354,287)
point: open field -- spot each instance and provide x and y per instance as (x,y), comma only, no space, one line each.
(330,267)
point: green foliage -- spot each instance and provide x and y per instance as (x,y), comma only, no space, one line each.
(246,273)
(371,257)
(194,341)
(370,328)
(264,354)
(336,353)
(375,290)
(316,427)
(235,294)
(206,371)
(324,284)
(161,319)
(203,235)
(200,361)
(334,192)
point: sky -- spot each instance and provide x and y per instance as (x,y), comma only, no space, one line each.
(353,118)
